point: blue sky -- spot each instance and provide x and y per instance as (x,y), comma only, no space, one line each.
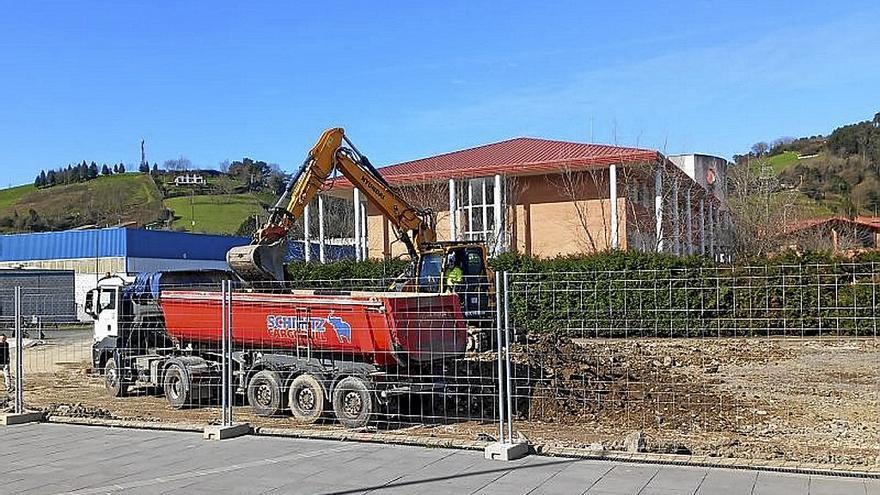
(215,81)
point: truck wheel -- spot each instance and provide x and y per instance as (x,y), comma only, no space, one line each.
(306,399)
(265,394)
(353,402)
(177,386)
(113,381)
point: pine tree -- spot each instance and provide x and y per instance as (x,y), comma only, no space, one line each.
(93,170)
(105,170)
(116,168)
(121,168)
(155,168)
(50,178)
(37,182)
(43,179)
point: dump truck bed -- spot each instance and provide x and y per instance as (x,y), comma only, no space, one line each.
(385,328)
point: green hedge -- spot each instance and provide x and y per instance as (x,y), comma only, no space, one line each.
(627,294)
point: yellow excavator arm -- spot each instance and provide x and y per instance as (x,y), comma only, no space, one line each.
(263,258)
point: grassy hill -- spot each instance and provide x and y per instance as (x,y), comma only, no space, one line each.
(782,161)
(112,199)
(219,214)
(837,174)
(11,195)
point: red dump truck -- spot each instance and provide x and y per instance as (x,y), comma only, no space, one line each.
(292,350)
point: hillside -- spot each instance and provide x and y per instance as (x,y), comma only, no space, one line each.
(216,213)
(838,173)
(110,199)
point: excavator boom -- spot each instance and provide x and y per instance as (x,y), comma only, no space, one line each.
(262,260)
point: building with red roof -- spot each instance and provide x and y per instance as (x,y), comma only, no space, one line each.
(547,198)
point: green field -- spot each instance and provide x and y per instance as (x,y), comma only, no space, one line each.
(782,161)
(11,195)
(218,214)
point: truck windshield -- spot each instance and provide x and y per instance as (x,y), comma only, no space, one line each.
(430,272)
(107,299)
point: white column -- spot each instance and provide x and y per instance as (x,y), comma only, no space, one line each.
(703,226)
(711,231)
(307,247)
(676,220)
(357,224)
(690,223)
(321,244)
(612,195)
(658,208)
(364,254)
(453,212)
(485,208)
(498,227)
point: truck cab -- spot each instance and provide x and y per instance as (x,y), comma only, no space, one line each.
(104,304)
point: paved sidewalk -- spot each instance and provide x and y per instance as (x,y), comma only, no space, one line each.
(48,459)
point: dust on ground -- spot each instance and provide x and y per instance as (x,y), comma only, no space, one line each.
(804,400)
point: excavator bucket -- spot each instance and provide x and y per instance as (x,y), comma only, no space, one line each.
(258,262)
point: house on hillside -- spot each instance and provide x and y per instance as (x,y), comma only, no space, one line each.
(547,198)
(838,234)
(189,180)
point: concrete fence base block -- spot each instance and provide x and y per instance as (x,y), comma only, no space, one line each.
(506,451)
(220,432)
(9,419)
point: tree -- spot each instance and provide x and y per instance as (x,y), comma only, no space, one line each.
(38,182)
(121,168)
(155,168)
(116,168)
(50,178)
(93,170)
(760,149)
(105,170)
(144,168)
(182,163)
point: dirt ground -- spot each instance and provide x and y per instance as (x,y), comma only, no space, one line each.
(804,400)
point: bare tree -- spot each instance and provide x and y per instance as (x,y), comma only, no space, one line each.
(176,164)
(576,186)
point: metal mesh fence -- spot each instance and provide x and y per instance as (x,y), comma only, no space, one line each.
(744,362)
(756,362)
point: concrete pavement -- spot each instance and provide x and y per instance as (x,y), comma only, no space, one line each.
(50,458)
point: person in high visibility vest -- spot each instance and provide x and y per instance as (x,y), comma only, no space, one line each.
(454,273)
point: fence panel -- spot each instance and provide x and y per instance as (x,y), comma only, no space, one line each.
(351,356)
(754,362)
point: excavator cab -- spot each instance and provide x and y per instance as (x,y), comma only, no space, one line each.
(475,287)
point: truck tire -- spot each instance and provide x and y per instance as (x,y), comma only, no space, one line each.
(265,394)
(306,399)
(113,381)
(353,403)
(177,386)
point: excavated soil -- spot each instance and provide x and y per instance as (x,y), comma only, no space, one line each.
(804,400)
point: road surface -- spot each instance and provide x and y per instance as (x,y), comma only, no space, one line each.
(51,458)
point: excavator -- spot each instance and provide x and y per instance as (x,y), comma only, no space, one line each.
(262,260)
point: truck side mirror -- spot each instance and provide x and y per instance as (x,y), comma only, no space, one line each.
(89,306)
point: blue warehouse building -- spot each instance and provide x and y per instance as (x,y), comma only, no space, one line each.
(91,254)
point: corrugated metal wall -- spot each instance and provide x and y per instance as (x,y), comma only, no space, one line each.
(69,244)
(180,245)
(116,242)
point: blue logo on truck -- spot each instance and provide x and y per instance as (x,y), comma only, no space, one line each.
(341,327)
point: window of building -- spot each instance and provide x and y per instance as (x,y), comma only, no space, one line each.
(478,209)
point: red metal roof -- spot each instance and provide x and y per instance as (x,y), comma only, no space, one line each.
(869,222)
(518,156)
